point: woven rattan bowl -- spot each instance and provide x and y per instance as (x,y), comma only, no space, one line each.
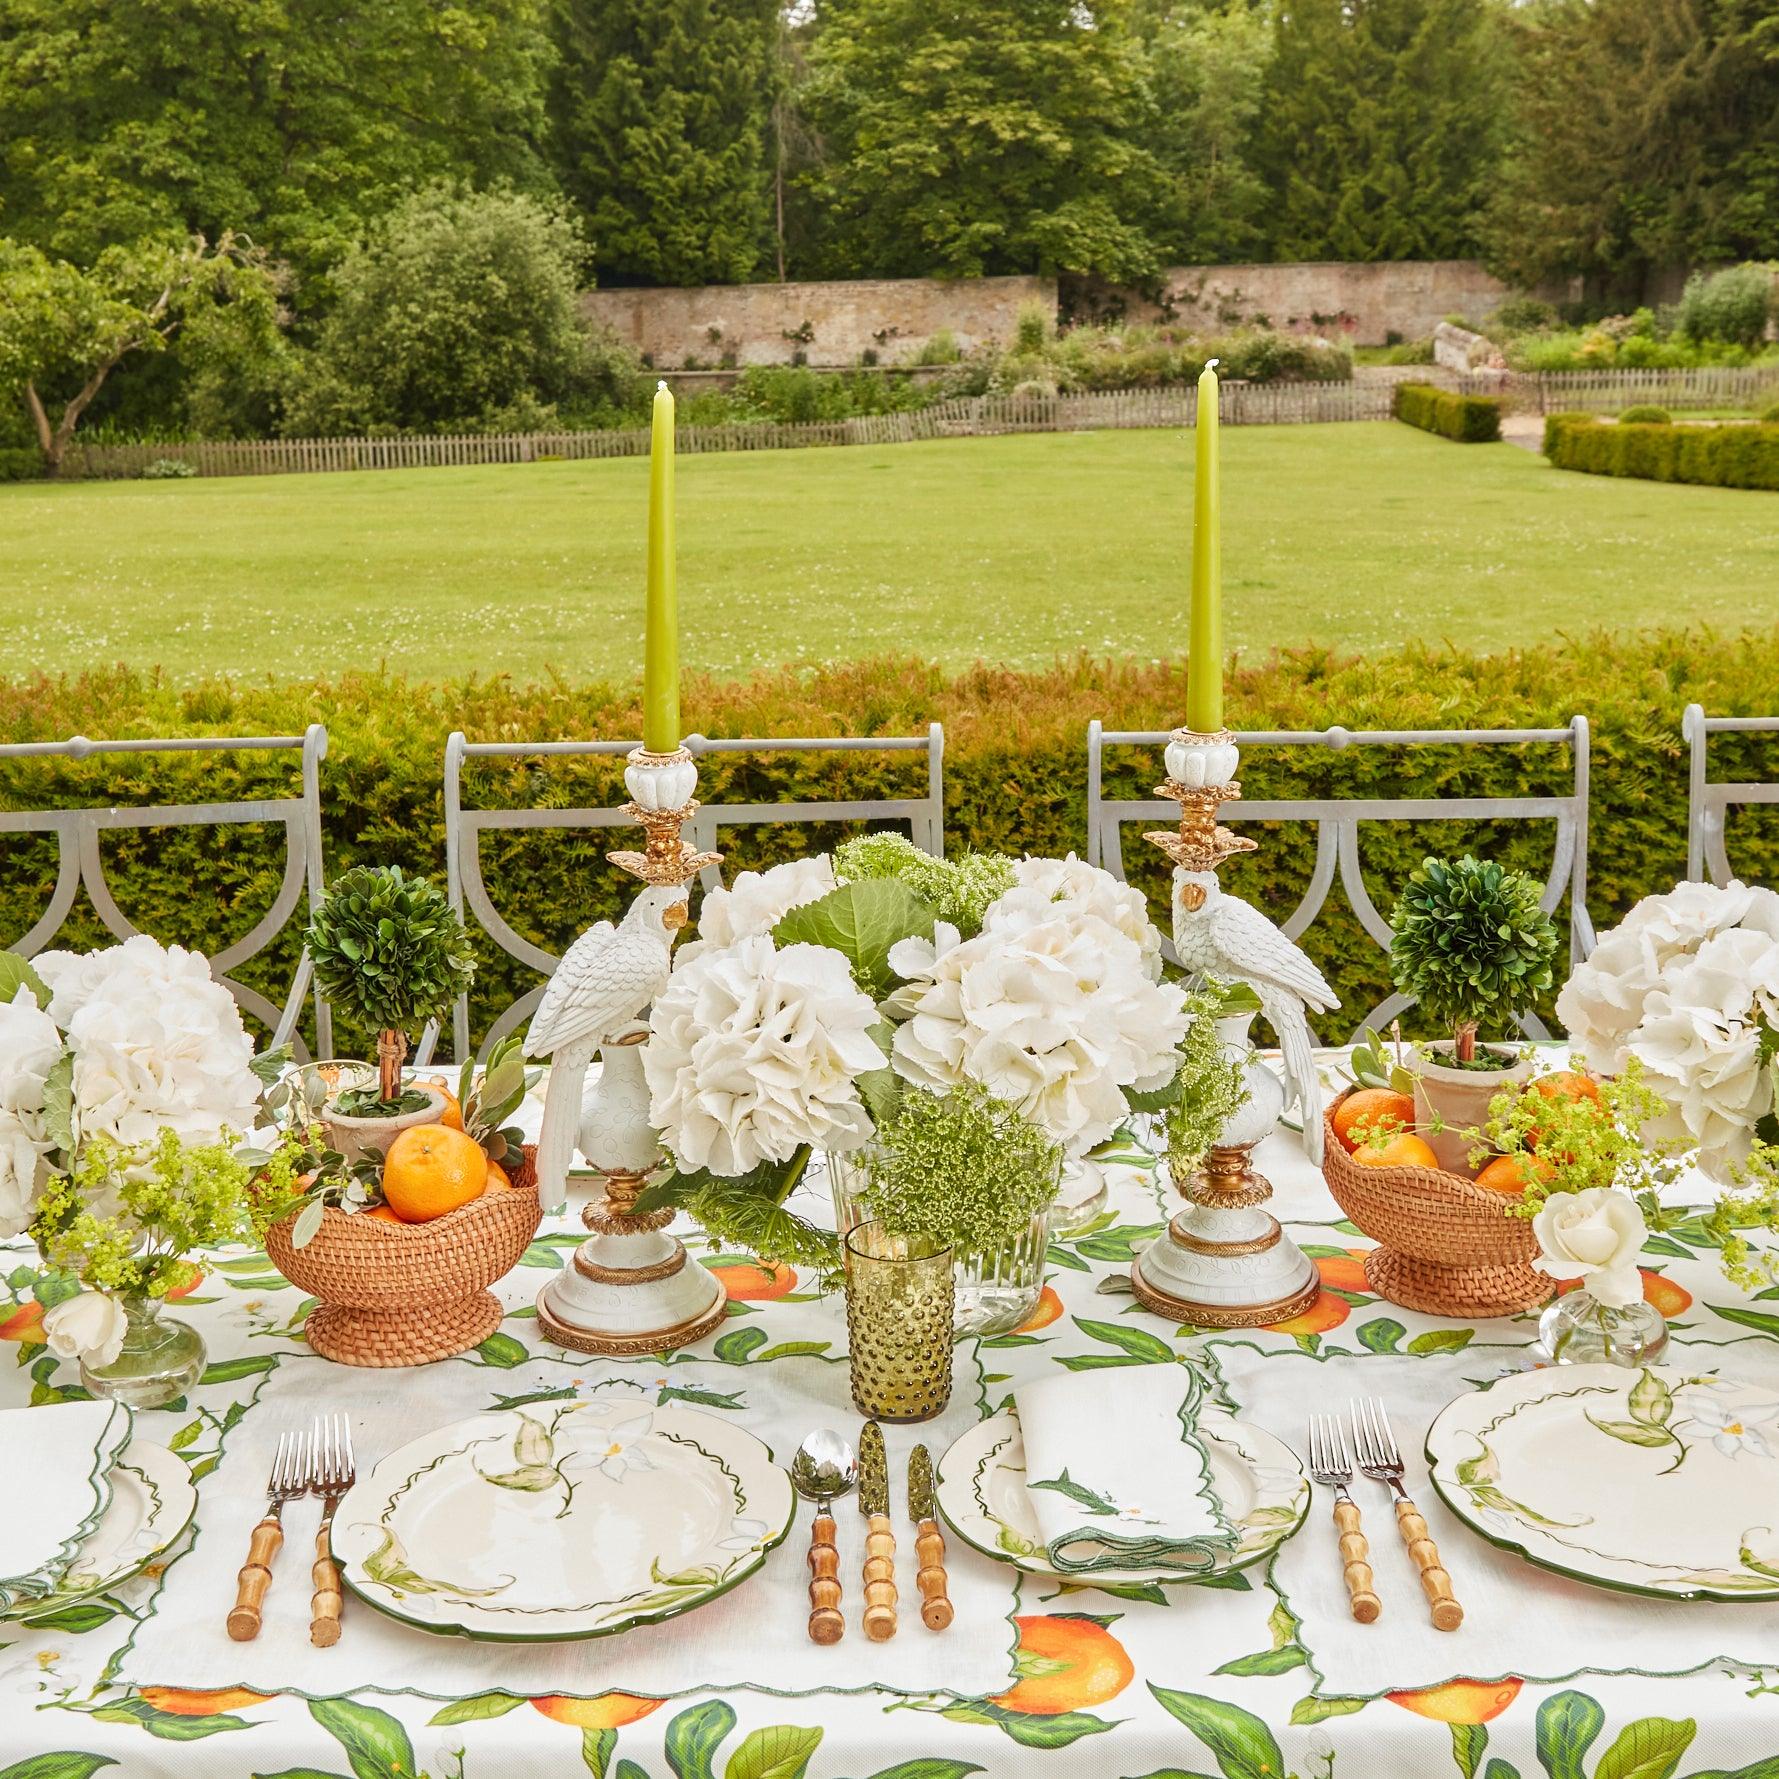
(1445,1246)
(409,1293)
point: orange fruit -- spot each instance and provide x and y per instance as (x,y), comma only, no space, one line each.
(430,1170)
(1404,1150)
(498,1176)
(1567,1084)
(1371,1105)
(610,1711)
(1046,1310)
(452,1116)
(1509,1174)
(1328,1311)
(382,1214)
(1065,1664)
(177,1702)
(23,1323)
(763,1281)
(1460,1701)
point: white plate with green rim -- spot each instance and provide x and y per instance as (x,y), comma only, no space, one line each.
(1650,1480)
(1257,1479)
(73,1448)
(561,1520)
(152,1502)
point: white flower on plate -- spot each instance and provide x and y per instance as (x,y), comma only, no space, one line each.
(1595,1236)
(1043,889)
(754,1050)
(1747,1427)
(1056,1019)
(29,1048)
(621,1453)
(745,1535)
(89,1326)
(756,902)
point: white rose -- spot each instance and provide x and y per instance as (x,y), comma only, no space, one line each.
(754,1050)
(757,901)
(90,1327)
(1595,1236)
(1048,889)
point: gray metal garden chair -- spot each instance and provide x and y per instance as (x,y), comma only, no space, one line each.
(78,833)
(464,827)
(1338,821)
(1708,800)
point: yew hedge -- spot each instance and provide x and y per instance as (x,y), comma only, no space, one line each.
(1015,771)
(1729,456)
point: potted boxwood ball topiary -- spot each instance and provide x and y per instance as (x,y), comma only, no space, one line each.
(390,950)
(1472,944)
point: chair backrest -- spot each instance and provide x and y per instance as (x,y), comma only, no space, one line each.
(1707,800)
(464,827)
(1337,822)
(79,861)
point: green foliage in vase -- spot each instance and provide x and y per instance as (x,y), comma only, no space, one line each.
(1470,942)
(391,949)
(124,1222)
(1210,1087)
(957,890)
(962,1165)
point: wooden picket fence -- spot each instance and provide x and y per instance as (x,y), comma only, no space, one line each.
(1606,391)
(1244,404)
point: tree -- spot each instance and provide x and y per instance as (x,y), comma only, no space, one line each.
(1379,133)
(292,119)
(459,310)
(64,330)
(1646,134)
(658,114)
(965,137)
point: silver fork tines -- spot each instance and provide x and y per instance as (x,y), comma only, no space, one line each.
(331,1475)
(1380,1458)
(1332,1466)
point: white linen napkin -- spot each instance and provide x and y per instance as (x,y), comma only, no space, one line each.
(69,1449)
(1519,1619)
(1116,1472)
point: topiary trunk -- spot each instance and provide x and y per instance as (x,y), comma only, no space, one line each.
(392,1048)
(1464,1041)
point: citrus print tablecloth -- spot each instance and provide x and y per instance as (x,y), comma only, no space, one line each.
(1253,1679)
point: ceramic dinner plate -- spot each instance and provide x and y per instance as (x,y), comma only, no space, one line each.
(73,1447)
(1256,1478)
(1652,1480)
(152,1502)
(557,1520)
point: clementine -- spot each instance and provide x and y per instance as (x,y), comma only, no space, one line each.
(1511,1174)
(1460,1701)
(383,1214)
(430,1170)
(1065,1664)
(452,1116)
(1406,1150)
(610,1711)
(498,1176)
(1568,1084)
(177,1702)
(1371,1105)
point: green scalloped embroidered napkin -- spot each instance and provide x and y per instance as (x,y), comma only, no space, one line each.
(66,1452)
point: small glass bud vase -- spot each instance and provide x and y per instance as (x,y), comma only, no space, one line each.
(1577,1329)
(161,1358)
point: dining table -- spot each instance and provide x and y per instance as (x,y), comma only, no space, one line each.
(1251,1674)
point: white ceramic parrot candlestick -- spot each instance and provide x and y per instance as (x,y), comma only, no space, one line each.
(630,1287)
(1224,1262)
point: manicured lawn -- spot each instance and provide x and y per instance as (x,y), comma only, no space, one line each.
(1012,549)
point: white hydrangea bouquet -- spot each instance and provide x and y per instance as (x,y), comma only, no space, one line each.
(1684,993)
(960,1027)
(126,1080)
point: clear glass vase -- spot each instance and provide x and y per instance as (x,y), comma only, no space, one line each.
(161,1358)
(1577,1329)
(995,1289)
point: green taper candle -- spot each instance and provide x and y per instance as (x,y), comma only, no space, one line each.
(660,672)
(1204,662)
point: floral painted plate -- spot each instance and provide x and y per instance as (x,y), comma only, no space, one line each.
(559,1520)
(1650,1480)
(1256,1478)
(152,1502)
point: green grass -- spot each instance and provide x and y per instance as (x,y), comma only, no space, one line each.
(1014,550)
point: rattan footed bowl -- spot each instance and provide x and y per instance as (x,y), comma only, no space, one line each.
(1445,1246)
(409,1293)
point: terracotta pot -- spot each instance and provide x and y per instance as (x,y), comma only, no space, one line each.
(1460,1098)
(354,1136)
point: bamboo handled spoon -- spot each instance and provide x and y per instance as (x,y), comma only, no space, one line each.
(823,1469)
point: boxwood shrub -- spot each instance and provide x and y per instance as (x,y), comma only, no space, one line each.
(1730,456)
(1470,419)
(1015,778)
(1645,414)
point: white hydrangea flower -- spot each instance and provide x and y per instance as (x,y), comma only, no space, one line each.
(1055,1018)
(757,901)
(754,1050)
(1045,889)
(29,1047)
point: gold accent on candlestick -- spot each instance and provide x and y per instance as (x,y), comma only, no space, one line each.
(666,858)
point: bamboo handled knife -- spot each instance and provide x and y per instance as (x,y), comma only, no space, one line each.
(929,1543)
(880,1540)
